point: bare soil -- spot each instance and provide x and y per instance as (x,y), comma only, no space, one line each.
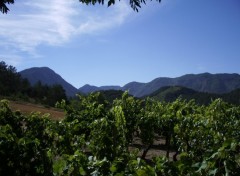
(27,108)
(157,149)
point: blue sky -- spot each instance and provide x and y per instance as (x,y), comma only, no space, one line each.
(113,46)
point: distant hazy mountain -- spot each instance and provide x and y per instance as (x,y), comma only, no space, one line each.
(205,82)
(88,88)
(49,77)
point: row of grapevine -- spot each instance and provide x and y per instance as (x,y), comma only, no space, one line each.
(95,137)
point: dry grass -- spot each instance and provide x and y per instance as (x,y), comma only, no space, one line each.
(27,108)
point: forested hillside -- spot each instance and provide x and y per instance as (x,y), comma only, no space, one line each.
(13,86)
(48,77)
(171,93)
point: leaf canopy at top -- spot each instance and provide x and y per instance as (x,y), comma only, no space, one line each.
(135,4)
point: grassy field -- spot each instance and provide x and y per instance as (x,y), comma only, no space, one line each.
(27,108)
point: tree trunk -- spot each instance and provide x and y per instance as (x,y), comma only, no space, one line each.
(168,143)
(175,156)
(145,151)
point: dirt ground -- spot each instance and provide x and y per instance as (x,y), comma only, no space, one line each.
(157,149)
(27,108)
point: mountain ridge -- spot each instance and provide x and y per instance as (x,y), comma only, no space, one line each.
(204,82)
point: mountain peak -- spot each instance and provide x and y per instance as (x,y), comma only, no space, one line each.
(49,77)
(38,69)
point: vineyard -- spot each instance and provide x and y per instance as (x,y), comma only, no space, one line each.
(98,138)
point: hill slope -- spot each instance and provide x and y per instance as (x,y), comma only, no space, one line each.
(171,93)
(205,82)
(49,77)
(88,88)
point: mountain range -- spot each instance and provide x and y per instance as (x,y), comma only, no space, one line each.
(205,82)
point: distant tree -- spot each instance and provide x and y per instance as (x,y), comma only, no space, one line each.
(25,87)
(55,93)
(39,91)
(46,94)
(10,80)
(111,95)
(135,4)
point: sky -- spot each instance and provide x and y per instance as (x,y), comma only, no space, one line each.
(100,45)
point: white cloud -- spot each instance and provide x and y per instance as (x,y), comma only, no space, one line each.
(42,22)
(104,19)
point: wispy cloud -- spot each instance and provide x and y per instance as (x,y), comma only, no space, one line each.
(11,59)
(55,22)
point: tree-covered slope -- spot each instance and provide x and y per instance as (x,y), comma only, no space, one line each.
(89,88)
(171,93)
(49,77)
(233,97)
